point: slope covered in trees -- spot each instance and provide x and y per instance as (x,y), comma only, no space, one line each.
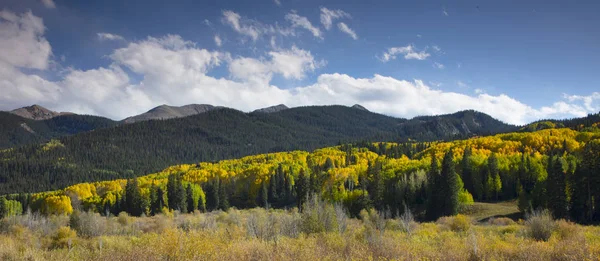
(16,130)
(555,169)
(149,146)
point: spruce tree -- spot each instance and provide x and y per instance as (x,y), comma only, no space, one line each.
(223,196)
(556,189)
(135,204)
(467,170)
(191,203)
(301,187)
(433,195)
(449,186)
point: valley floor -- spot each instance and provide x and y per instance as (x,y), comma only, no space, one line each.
(259,234)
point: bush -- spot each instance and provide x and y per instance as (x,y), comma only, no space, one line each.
(458,223)
(64,237)
(318,216)
(123,218)
(87,224)
(540,225)
(567,230)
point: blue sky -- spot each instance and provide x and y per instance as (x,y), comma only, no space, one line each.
(515,61)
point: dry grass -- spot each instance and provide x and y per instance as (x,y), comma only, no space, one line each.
(258,234)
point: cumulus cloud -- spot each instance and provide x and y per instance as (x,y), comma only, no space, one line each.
(344,28)
(49,4)
(591,102)
(22,42)
(301,21)
(218,40)
(409,51)
(177,72)
(291,64)
(110,37)
(328,16)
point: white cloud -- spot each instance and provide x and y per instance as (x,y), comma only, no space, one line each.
(218,40)
(591,102)
(22,42)
(328,16)
(436,48)
(291,64)
(479,91)
(110,37)
(301,21)
(438,65)
(409,51)
(175,71)
(462,84)
(49,4)
(277,2)
(435,84)
(444,11)
(344,28)
(246,27)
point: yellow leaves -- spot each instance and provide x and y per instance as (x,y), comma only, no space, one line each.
(83,190)
(57,205)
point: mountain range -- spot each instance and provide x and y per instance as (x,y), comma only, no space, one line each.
(117,150)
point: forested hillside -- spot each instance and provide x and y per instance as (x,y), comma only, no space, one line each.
(555,169)
(145,147)
(17,131)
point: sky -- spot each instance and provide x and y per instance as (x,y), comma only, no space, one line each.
(518,62)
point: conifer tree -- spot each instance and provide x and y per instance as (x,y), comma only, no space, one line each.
(135,204)
(556,189)
(449,187)
(192,204)
(467,169)
(301,189)
(433,195)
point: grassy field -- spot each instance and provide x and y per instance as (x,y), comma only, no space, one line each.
(321,232)
(481,211)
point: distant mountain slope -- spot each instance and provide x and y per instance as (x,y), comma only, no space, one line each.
(589,121)
(36,112)
(272,109)
(165,112)
(17,131)
(148,146)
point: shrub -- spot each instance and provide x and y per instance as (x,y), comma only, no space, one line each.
(566,229)
(458,223)
(540,225)
(64,237)
(123,218)
(318,216)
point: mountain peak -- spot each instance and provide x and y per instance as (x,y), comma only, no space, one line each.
(164,112)
(37,112)
(360,107)
(272,109)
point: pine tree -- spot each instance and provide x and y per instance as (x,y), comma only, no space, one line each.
(263,195)
(134,202)
(449,187)
(212,194)
(556,188)
(192,204)
(433,195)
(494,184)
(301,189)
(176,193)
(223,197)
(467,170)
(376,188)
